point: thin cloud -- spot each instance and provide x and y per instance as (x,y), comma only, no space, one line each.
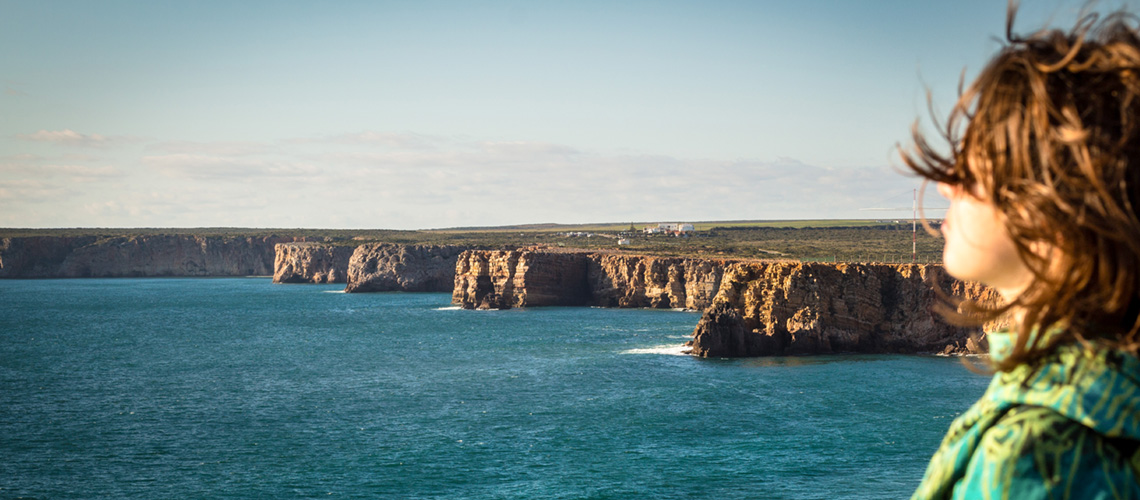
(527,149)
(68,137)
(14,92)
(220,167)
(30,191)
(22,157)
(401,140)
(86,172)
(394,180)
(221,148)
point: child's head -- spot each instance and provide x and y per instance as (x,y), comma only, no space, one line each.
(1047,138)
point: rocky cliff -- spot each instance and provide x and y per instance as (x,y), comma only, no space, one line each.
(136,256)
(616,280)
(381,267)
(783,308)
(503,279)
(311,263)
(750,308)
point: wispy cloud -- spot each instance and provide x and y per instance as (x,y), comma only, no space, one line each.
(34,168)
(82,171)
(70,137)
(30,191)
(222,167)
(396,180)
(14,92)
(221,148)
(401,140)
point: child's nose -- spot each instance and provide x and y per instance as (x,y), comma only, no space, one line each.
(947,191)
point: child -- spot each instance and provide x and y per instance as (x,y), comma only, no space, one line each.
(1043,177)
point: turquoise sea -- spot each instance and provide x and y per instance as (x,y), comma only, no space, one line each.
(239,388)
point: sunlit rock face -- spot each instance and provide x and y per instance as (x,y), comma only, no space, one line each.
(754,308)
(311,263)
(789,308)
(504,279)
(617,280)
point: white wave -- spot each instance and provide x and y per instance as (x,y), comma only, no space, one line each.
(667,349)
(449,308)
(332,291)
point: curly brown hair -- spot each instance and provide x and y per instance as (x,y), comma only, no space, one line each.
(1049,132)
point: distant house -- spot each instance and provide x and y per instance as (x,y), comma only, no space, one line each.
(623,241)
(675,229)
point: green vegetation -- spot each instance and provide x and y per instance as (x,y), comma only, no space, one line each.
(699,226)
(819,240)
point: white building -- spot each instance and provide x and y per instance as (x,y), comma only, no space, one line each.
(674,228)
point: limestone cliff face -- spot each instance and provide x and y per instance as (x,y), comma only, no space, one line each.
(502,279)
(37,256)
(617,280)
(519,278)
(783,308)
(382,267)
(311,263)
(136,256)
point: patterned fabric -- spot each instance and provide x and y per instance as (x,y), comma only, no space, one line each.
(1067,428)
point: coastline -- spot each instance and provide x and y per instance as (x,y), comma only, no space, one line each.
(748,307)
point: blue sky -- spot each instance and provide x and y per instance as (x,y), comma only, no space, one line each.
(433,114)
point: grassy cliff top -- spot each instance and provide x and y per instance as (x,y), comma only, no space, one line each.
(819,240)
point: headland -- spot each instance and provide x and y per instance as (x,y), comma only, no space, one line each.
(752,304)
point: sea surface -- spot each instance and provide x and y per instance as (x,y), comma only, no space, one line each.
(239,388)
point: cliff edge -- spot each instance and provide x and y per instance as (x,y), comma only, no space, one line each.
(755,308)
(787,308)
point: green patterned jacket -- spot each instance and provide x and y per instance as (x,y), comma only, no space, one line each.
(1069,428)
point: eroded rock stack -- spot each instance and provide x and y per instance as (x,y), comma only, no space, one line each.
(311,263)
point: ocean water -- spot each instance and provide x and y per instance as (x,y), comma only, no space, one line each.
(238,388)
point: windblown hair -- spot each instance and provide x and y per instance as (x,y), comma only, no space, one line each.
(1049,133)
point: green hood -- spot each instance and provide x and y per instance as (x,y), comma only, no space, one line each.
(1098,388)
(1088,386)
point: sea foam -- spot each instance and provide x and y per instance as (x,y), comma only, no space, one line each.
(668,349)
